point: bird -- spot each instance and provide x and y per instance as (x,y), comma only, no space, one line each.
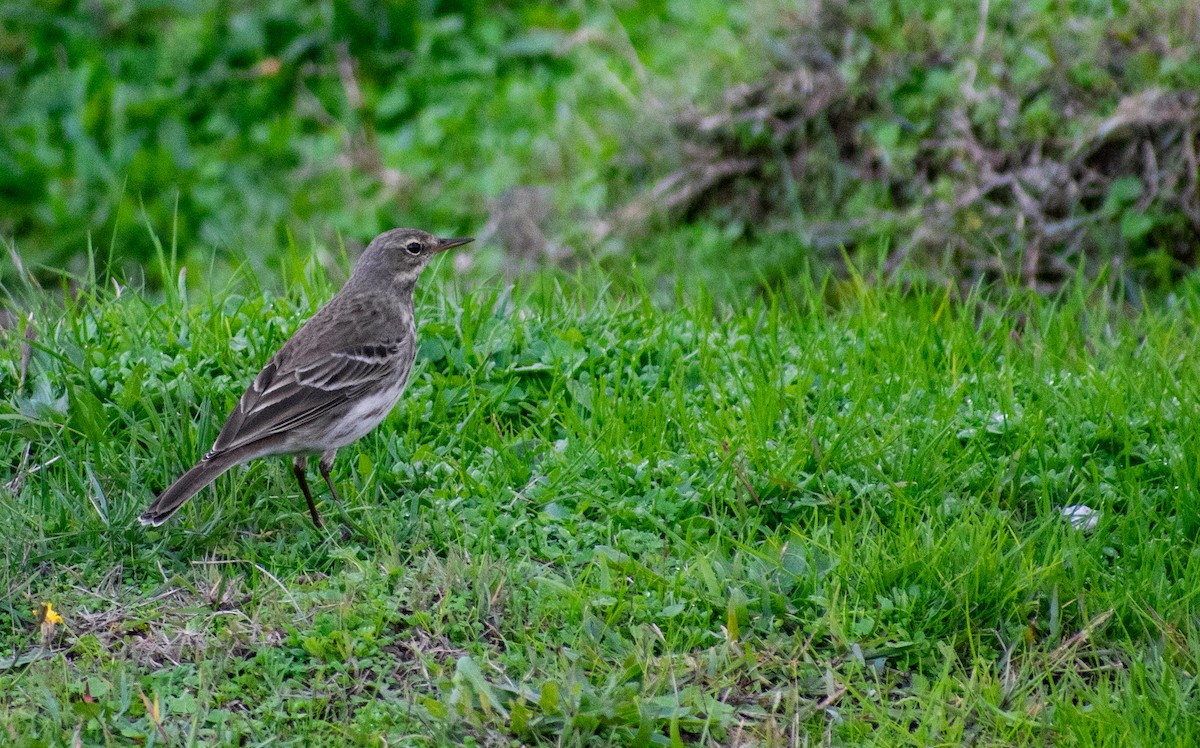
(332,382)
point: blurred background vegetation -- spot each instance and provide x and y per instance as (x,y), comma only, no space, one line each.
(732,143)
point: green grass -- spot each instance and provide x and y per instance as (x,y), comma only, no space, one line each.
(598,520)
(972,145)
(244,125)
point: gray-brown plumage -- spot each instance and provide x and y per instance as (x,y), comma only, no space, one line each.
(335,380)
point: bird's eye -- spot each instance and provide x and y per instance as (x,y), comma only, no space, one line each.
(414,248)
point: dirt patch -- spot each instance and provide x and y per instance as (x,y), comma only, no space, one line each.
(174,633)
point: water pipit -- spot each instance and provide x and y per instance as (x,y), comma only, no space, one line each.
(335,380)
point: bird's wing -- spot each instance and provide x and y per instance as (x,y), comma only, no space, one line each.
(293,391)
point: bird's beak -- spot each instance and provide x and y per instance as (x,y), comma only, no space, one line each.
(452,243)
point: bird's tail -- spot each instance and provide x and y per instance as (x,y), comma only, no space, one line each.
(188,485)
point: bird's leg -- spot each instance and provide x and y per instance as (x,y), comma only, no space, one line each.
(325,465)
(298,467)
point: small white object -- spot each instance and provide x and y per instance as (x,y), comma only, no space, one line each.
(1081,517)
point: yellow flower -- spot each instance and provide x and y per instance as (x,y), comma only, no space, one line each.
(47,614)
(48,619)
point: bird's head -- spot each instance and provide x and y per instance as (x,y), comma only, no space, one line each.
(403,253)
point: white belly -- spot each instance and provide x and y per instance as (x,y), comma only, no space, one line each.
(365,415)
